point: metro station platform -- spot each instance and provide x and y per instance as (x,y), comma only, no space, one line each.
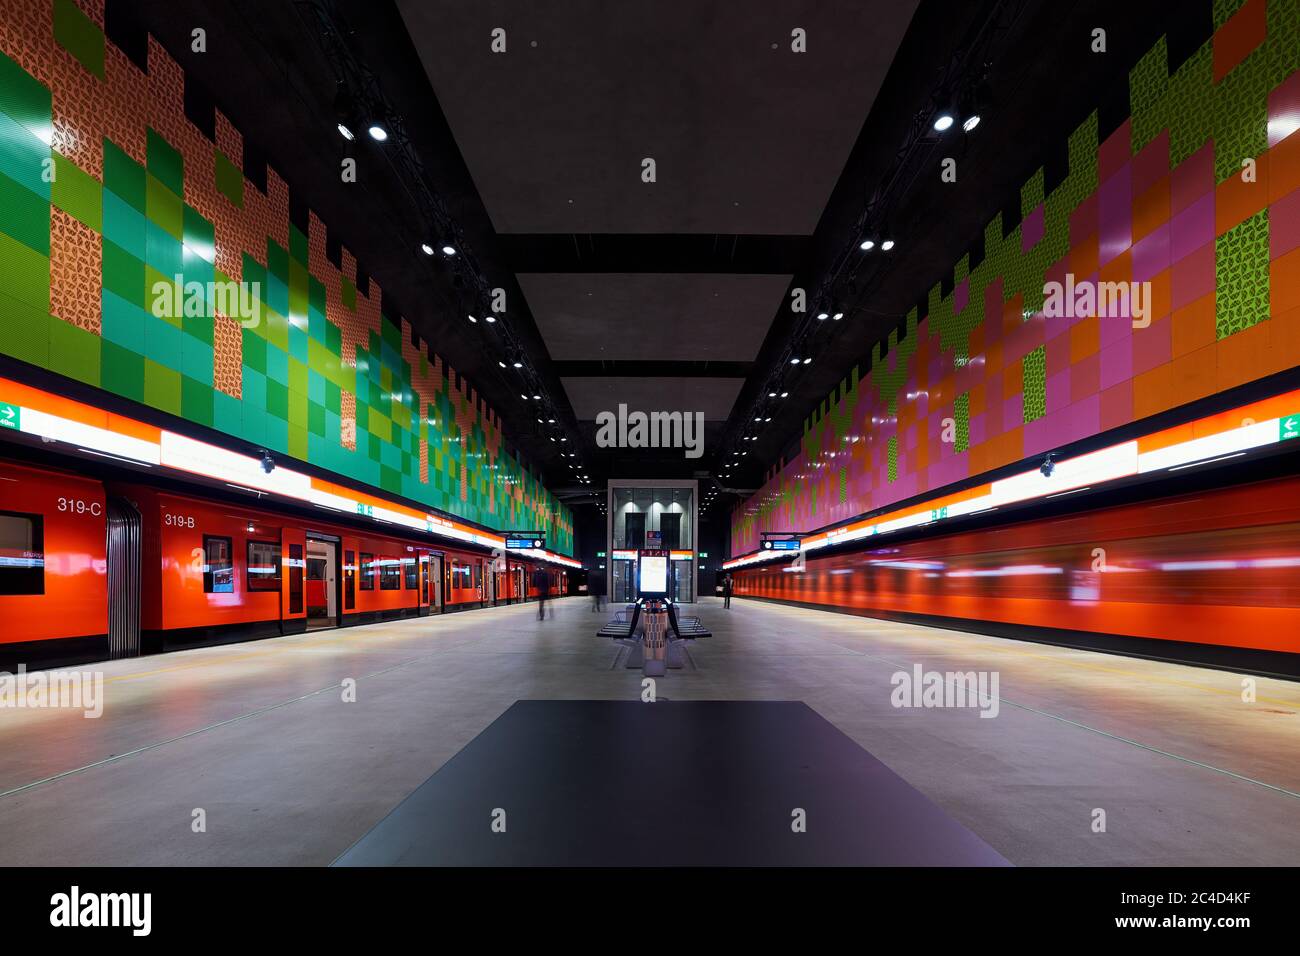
(258,737)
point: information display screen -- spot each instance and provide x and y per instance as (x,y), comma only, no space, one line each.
(653,573)
(523,541)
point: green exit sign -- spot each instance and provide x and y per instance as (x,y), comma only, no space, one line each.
(1288,426)
(704,554)
(11,416)
(600,554)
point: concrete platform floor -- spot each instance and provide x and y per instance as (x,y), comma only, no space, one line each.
(258,737)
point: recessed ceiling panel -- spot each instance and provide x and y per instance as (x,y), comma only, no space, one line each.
(744,134)
(712,396)
(653,317)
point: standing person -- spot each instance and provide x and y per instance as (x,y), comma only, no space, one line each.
(542,583)
(600,592)
(726,592)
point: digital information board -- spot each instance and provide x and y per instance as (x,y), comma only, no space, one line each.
(652,573)
(524,540)
(783,542)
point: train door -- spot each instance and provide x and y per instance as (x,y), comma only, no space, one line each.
(434,595)
(123,559)
(520,592)
(323,581)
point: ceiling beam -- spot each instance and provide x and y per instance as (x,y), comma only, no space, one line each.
(710,254)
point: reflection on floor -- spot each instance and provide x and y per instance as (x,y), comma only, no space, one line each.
(265,740)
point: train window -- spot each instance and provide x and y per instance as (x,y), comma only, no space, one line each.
(349,580)
(263,565)
(295,578)
(22,553)
(409,572)
(390,574)
(460,576)
(367,572)
(478,575)
(218,566)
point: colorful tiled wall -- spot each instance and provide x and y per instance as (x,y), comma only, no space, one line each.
(107,189)
(985,378)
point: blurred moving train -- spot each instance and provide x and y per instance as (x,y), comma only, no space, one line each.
(1185,577)
(95,569)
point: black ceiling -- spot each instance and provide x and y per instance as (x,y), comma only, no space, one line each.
(674,292)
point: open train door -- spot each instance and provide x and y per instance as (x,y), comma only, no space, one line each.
(123,559)
(431,564)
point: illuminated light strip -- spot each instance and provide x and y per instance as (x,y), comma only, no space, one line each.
(182,453)
(92,438)
(1072,491)
(1070,475)
(1207,461)
(1224,443)
(104,454)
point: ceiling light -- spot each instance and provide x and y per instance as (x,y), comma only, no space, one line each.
(489,319)
(537,398)
(346,133)
(823,316)
(943,121)
(448,250)
(501,363)
(785,394)
(428,249)
(377,133)
(550,421)
(970,122)
(806,361)
(771,394)
(837,316)
(471,318)
(794,361)
(867,245)
(887,245)
(518,364)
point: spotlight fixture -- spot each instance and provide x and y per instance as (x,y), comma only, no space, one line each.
(837,316)
(377,133)
(887,245)
(518,364)
(794,361)
(268,463)
(970,122)
(867,245)
(1048,466)
(501,363)
(426,248)
(250,529)
(345,132)
(537,398)
(807,361)
(823,316)
(489,319)
(472,319)
(943,120)
(771,394)
(448,250)
(785,394)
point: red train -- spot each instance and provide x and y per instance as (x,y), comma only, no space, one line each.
(1217,568)
(91,569)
